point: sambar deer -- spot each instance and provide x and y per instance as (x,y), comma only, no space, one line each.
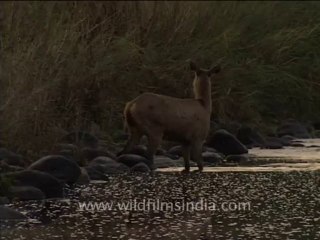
(182,120)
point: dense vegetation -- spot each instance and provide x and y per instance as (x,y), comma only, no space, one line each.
(67,65)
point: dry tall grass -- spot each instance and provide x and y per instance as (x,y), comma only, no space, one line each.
(68,64)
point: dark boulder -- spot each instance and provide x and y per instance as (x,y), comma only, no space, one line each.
(58,166)
(161,151)
(250,137)
(171,156)
(208,149)
(25,193)
(140,167)
(65,146)
(68,154)
(164,162)
(274,143)
(230,126)
(139,150)
(107,165)
(10,218)
(131,159)
(284,141)
(7,213)
(226,143)
(180,163)
(212,157)
(293,128)
(5,168)
(11,158)
(175,151)
(47,183)
(95,174)
(67,150)
(288,138)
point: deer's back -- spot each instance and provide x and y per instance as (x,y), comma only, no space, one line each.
(178,118)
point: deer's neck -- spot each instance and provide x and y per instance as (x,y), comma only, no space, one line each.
(202,92)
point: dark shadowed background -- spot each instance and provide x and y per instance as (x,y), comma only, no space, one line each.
(73,65)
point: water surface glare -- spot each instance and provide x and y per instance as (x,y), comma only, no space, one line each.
(283,205)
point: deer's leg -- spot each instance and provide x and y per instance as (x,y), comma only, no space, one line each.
(197,154)
(154,141)
(186,157)
(134,139)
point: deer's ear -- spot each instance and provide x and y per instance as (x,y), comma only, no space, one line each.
(215,69)
(193,66)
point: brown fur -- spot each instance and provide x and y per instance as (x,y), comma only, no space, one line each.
(183,120)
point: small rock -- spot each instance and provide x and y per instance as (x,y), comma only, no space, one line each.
(237,158)
(297,145)
(140,167)
(313,146)
(273,143)
(229,164)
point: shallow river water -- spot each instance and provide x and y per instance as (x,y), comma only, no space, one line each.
(277,199)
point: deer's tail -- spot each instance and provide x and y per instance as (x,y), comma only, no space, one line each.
(128,117)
